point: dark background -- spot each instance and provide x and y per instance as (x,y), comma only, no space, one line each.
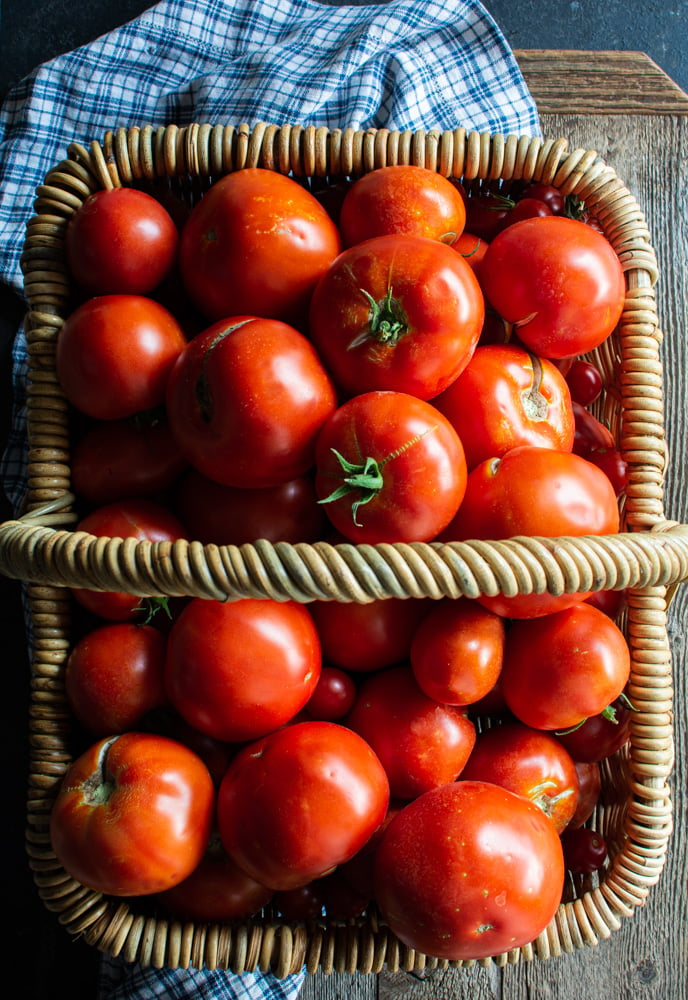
(33,31)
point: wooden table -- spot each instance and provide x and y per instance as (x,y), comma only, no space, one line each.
(625,107)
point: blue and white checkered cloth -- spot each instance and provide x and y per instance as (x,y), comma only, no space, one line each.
(404,64)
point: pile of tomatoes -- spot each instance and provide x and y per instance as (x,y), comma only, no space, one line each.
(393,359)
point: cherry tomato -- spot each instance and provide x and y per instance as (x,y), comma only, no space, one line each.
(121,240)
(547,193)
(420,743)
(486,214)
(472,249)
(505,397)
(246,400)
(614,466)
(114,354)
(133,815)
(563,668)
(364,637)
(590,433)
(589,788)
(600,735)
(141,519)
(216,890)
(611,602)
(469,870)
(389,468)
(558,281)
(401,199)
(585,851)
(239,670)
(123,459)
(540,492)
(114,677)
(456,652)
(396,312)
(256,243)
(333,697)
(527,208)
(584,381)
(230,515)
(297,803)
(528,762)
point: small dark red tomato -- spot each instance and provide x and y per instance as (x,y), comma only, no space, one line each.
(527,208)
(303,903)
(530,763)
(585,850)
(614,466)
(420,743)
(590,433)
(121,240)
(589,788)
(115,676)
(457,650)
(547,193)
(333,697)
(611,602)
(600,735)
(486,214)
(114,354)
(363,637)
(584,381)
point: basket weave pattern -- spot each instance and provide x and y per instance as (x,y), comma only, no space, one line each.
(649,556)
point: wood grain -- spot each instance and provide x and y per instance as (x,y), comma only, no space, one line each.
(617,83)
(647,958)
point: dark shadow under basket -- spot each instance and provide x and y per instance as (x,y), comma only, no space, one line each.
(649,556)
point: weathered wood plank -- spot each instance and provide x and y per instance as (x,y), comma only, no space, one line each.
(615,83)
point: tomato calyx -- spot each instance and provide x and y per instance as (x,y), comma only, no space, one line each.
(387,321)
(540,796)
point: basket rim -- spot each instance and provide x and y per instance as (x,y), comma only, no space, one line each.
(40,548)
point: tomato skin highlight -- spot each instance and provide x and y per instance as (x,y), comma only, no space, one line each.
(468,870)
(133,815)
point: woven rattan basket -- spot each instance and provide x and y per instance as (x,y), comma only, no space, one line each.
(650,556)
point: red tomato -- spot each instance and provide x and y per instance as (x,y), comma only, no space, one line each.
(558,280)
(389,468)
(115,676)
(590,433)
(363,637)
(528,762)
(589,788)
(539,492)
(487,213)
(551,196)
(456,652)
(141,519)
(600,735)
(256,243)
(231,515)
(216,890)
(239,670)
(469,870)
(122,459)
(420,743)
(585,851)
(333,697)
(401,199)
(506,397)
(563,668)
(114,354)
(133,815)
(120,240)
(396,312)
(527,208)
(297,803)
(584,381)
(246,400)
(472,249)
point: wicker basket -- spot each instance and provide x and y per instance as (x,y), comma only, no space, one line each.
(650,556)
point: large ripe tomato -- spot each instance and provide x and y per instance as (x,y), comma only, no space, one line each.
(232,515)
(363,637)
(299,802)
(256,243)
(563,668)
(241,669)
(397,312)
(421,743)
(558,281)
(120,240)
(114,354)
(115,676)
(133,815)
(505,397)
(141,519)
(122,459)
(529,762)
(402,199)
(538,492)
(246,400)
(389,468)
(456,652)
(469,870)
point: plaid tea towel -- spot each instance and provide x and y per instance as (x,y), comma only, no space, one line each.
(403,64)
